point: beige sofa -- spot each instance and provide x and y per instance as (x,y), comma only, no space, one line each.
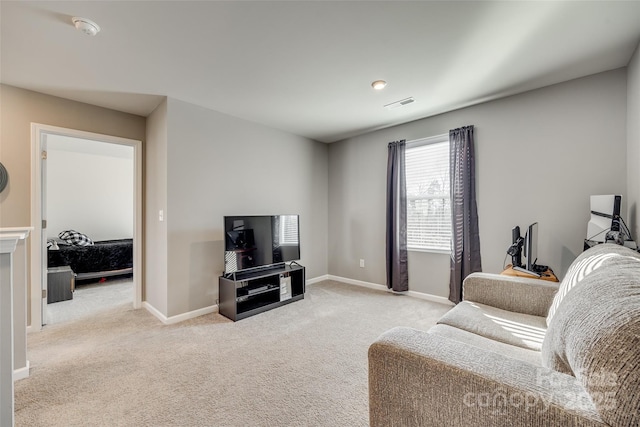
(521,352)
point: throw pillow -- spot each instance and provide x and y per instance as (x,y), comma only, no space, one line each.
(75,238)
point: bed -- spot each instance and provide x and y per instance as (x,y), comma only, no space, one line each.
(101,259)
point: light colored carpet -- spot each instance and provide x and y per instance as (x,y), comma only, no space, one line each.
(90,299)
(303,364)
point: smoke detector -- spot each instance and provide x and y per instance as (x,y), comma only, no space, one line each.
(85,25)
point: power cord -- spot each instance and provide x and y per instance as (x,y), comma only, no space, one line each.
(597,234)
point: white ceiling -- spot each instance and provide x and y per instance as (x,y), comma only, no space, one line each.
(306,66)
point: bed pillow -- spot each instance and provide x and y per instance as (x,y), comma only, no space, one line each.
(54,243)
(75,238)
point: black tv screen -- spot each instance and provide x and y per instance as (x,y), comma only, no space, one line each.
(254,241)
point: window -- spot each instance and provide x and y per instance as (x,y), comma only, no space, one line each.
(428,197)
(288,230)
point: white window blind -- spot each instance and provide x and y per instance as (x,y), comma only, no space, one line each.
(288,229)
(428,198)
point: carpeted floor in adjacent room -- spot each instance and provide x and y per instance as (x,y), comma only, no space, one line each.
(91,298)
(304,364)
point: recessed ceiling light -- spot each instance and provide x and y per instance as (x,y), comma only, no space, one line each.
(378,84)
(85,25)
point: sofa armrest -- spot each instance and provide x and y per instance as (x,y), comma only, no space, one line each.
(519,294)
(421,379)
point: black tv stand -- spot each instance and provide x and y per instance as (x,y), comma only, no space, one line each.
(245,293)
(242,274)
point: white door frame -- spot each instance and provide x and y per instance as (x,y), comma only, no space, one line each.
(38,131)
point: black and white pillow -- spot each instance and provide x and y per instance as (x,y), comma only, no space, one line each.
(75,238)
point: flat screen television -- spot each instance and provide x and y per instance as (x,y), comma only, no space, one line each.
(260,241)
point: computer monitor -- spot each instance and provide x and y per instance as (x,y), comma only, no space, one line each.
(531,247)
(530,251)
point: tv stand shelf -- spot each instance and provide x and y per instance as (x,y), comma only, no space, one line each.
(245,294)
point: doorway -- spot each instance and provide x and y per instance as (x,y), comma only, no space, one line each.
(42,136)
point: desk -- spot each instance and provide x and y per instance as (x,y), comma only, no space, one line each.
(547,275)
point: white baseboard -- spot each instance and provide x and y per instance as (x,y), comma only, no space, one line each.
(180,317)
(22,373)
(214,308)
(414,294)
(359,283)
(430,297)
(317,279)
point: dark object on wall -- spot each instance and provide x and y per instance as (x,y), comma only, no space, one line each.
(4,177)
(105,258)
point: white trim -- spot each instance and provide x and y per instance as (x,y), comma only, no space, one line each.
(37,130)
(317,279)
(413,294)
(426,141)
(359,283)
(180,317)
(22,373)
(430,297)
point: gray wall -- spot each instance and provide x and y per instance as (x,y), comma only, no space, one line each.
(155,199)
(220,165)
(540,155)
(22,107)
(633,144)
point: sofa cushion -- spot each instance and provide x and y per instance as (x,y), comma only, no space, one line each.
(522,330)
(594,332)
(466,337)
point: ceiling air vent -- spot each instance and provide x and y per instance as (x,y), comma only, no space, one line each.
(400,103)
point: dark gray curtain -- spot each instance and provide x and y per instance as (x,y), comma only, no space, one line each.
(397,269)
(465,239)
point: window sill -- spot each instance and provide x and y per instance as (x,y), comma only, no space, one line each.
(431,251)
